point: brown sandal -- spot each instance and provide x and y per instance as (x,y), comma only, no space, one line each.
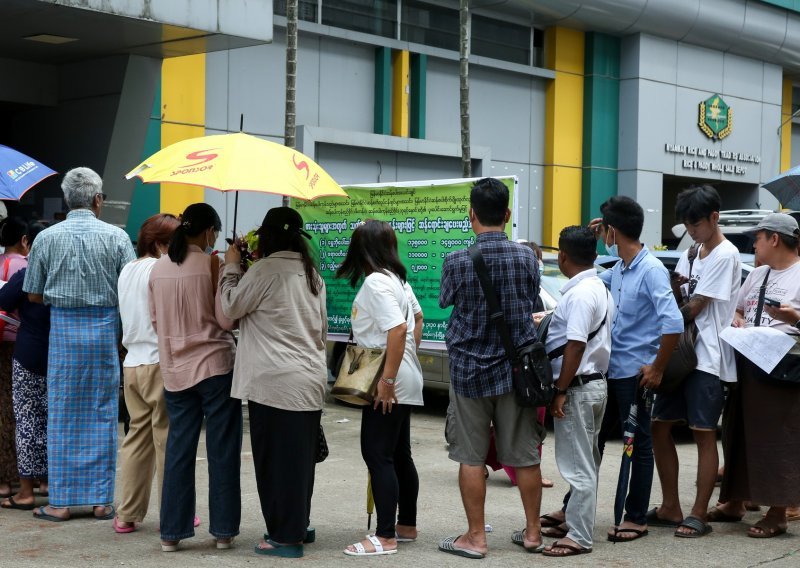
(768,530)
(571,549)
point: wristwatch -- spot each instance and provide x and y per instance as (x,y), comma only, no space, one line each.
(561,391)
(389,380)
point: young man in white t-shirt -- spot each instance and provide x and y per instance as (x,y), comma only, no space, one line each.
(579,344)
(710,286)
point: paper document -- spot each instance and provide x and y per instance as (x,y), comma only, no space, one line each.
(9,319)
(764,346)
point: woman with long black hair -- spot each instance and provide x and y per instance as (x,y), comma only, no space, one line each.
(386,315)
(196,353)
(281,372)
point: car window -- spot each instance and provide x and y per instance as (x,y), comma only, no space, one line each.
(553,280)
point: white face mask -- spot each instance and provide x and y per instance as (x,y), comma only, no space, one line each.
(613,250)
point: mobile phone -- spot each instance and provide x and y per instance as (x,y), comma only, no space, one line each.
(772,303)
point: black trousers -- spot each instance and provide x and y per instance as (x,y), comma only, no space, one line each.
(386,449)
(285,444)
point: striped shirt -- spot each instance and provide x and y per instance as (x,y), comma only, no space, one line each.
(76,263)
(478,363)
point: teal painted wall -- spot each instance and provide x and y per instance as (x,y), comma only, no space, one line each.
(146,200)
(600,122)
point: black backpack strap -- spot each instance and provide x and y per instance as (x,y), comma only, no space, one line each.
(559,351)
(761,292)
(496,315)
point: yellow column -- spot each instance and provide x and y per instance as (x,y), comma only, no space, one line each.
(401,62)
(564,53)
(786,120)
(183,114)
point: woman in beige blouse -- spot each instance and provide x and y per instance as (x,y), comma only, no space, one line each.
(196,352)
(280,371)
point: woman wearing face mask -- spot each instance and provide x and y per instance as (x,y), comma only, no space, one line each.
(196,353)
(27,372)
(142,452)
(13,238)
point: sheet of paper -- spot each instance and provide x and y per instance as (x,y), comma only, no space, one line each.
(764,346)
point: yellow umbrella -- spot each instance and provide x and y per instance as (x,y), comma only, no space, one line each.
(238,162)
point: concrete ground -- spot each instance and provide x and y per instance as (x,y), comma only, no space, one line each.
(340,518)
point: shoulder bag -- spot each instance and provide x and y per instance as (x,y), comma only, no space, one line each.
(787,371)
(531,372)
(684,358)
(361,369)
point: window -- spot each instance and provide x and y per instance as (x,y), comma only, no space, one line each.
(306,9)
(501,40)
(428,24)
(377,17)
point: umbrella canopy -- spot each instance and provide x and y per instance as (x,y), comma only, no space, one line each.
(786,188)
(238,162)
(19,173)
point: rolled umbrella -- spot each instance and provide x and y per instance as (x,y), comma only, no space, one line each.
(370,501)
(628,438)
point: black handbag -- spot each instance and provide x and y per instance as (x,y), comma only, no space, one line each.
(787,372)
(684,358)
(531,372)
(322,446)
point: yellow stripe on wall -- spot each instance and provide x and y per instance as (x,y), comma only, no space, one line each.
(183,114)
(401,65)
(786,120)
(564,53)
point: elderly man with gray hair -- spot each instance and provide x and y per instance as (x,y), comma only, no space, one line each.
(73,267)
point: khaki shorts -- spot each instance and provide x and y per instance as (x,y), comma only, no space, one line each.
(517,433)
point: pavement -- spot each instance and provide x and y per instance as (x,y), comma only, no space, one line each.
(339,516)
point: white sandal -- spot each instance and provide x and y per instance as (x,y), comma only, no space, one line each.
(361,551)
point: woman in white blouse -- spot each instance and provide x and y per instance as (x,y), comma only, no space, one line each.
(386,315)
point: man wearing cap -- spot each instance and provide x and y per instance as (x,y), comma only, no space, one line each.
(762,450)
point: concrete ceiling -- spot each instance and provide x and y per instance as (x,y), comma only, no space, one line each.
(98,34)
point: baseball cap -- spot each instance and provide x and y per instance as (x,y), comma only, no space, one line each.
(284,219)
(778,223)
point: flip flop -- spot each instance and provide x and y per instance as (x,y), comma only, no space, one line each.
(768,530)
(404,538)
(549,521)
(637,533)
(448,545)
(122,530)
(108,516)
(559,531)
(311,535)
(280,550)
(18,506)
(716,515)
(654,520)
(361,551)
(41,515)
(518,537)
(573,550)
(697,525)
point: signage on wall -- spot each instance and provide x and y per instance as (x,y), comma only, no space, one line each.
(715,118)
(713,159)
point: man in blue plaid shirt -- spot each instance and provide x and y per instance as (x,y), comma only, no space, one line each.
(481,390)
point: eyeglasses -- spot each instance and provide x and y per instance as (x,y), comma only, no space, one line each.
(103,196)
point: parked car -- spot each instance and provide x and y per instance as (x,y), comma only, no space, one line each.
(435,363)
(734,223)
(670,259)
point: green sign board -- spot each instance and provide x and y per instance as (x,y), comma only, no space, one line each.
(431,220)
(716,118)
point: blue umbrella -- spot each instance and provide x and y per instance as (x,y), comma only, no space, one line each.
(786,188)
(19,173)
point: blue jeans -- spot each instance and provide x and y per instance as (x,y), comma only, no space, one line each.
(210,398)
(620,398)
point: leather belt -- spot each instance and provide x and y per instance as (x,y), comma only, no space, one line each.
(581,380)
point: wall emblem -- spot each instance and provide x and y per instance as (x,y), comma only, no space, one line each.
(716,118)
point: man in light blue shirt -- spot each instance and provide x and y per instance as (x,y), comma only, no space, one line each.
(644,332)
